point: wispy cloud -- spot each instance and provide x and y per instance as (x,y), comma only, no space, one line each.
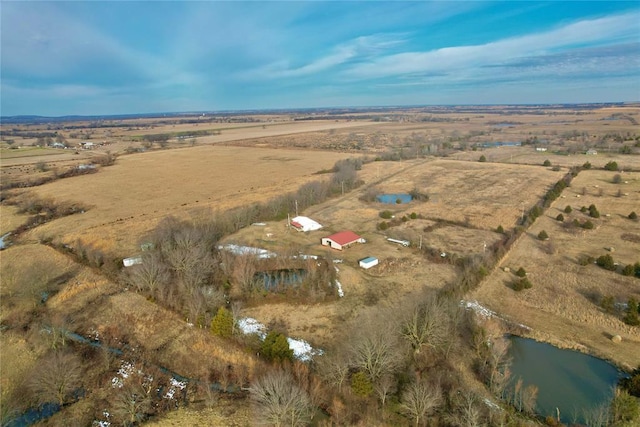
(358,49)
(458,58)
(92,57)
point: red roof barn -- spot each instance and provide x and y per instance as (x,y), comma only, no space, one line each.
(342,240)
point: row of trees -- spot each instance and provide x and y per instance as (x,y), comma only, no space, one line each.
(185,270)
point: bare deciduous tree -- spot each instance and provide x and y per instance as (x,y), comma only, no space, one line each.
(598,416)
(150,275)
(131,404)
(466,412)
(419,400)
(427,324)
(497,364)
(376,351)
(334,369)
(244,270)
(281,401)
(55,379)
(384,387)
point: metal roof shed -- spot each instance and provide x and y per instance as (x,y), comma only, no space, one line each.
(368,262)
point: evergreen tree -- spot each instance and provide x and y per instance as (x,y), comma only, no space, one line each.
(361,384)
(606,262)
(631,317)
(222,323)
(276,347)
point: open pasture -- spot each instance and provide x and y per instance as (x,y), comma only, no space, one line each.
(457,224)
(563,305)
(127,199)
(478,195)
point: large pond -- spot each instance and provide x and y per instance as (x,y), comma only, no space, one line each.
(394,198)
(572,382)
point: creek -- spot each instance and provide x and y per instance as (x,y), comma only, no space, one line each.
(46,410)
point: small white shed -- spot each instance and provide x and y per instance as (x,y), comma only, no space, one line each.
(128,262)
(368,262)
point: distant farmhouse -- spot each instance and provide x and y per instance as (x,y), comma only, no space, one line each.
(342,240)
(541,148)
(591,152)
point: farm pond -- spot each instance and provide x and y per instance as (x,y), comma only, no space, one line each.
(569,382)
(394,199)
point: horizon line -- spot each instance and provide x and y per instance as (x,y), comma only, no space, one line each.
(302,109)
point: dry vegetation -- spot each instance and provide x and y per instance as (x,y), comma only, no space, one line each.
(563,305)
(62,274)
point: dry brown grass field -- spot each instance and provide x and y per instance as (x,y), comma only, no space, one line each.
(128,199)
(478,196)
(253,162)
(562,305)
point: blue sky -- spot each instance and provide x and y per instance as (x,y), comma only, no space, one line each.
(60,58)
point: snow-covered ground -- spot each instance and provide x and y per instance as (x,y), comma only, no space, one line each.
(480,310)
(247,250)
(249,325)
(340,291)
(486,313)
(302,350)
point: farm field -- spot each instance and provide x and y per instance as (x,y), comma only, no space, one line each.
(127,200)
(562,307)
(461,205)
(465,224)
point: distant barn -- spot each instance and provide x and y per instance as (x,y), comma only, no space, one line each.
(342,240)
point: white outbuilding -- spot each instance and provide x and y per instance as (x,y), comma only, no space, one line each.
(302,223)
(368,262)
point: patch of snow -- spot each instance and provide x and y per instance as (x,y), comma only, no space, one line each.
(478,308)
(491,405)
(340,291)
(303,256)
(174,386)
(247,250)
(249,325)
(126,369)
(302,350)
(103,423)
(486,313)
